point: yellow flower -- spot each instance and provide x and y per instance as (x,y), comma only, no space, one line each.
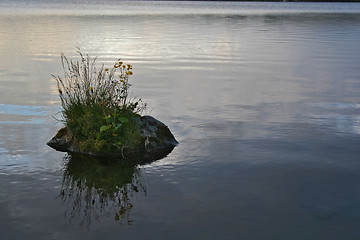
(129,66)
(92,89)
(129,73)
(116,66)
(60,91)
(122,80)
(106,69)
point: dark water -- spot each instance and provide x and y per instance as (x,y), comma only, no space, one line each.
(263,98)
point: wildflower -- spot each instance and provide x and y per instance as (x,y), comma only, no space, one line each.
(124,66)
(60,91)
(116,66)
(122,80)
(106,69)
(91,89)
(129,73)
(129,66)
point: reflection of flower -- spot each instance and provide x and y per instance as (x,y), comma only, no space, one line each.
(93,187)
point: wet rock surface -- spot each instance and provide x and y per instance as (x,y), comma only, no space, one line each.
(157,141)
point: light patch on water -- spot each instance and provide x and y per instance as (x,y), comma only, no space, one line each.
(21,114)
(30,121)
(341,123)
(338,105)
(22,110)
(343,117)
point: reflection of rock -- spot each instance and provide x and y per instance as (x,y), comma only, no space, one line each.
(157,141)
(93,187)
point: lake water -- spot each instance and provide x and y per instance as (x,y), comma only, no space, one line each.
(264,99)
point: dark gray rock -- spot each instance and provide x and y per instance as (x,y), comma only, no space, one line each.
(156,143)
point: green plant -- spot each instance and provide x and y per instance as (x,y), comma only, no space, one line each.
(96,105)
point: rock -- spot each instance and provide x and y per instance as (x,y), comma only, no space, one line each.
(157,142)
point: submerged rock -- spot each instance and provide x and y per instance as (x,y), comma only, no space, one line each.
(157,141)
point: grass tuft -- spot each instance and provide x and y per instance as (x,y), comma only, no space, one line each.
(96,106)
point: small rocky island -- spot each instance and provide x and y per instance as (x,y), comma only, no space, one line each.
(156,142)
(100,118)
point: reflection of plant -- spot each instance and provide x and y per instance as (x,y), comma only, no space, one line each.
(93,187)
(96,105)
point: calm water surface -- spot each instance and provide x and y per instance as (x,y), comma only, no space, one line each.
(263,98)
